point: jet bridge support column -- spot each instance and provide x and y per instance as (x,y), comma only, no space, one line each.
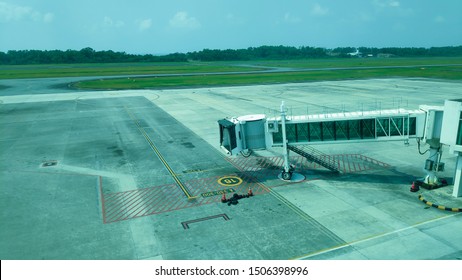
(286,173)
(457,191)
(451,135)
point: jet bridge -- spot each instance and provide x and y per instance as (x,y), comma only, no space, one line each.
(241,135)
(387,125)
(254,132)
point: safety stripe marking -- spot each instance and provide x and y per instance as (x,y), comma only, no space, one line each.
(349,163)
(143,202)
(439,206)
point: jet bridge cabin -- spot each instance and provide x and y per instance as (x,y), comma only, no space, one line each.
(259,132)
(242,134)
(432,125)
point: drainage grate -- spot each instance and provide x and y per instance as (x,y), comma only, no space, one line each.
(49,163)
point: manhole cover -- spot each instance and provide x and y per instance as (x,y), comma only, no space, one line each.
(49,163)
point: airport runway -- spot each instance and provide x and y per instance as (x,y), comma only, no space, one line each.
(139,175)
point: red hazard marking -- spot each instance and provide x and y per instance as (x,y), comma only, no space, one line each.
(137,203)
(348,163)
(253,171)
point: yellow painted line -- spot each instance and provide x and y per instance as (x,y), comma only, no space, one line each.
(334,248)
(198,171)
(302,214)
(159,155)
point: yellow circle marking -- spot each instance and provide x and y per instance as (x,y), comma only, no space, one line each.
(230,181)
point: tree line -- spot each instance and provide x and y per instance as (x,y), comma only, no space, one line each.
(89,55)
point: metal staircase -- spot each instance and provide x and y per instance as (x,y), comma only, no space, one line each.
(314,155)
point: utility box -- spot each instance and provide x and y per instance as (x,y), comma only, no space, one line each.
(272,126)
(439,167)
(429,165)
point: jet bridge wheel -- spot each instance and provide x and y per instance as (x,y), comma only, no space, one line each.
(286,175)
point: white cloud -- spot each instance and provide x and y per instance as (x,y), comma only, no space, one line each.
(318,10)
(48,17)
(393,6)
(233,19)
(144,24)
(109,22)
(291,18)
(385,4)
(11,12)
(183,20)
(439,19)
(365,16)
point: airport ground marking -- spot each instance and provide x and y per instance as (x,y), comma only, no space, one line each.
(302,214)
(230,181)
(103,206)
(341,246)
(214,193)
(296,210)
(186,224)
(440,207)
(159,155)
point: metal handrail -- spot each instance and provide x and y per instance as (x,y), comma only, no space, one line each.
(315,155)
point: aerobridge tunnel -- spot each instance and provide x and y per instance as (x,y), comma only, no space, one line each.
(432,125)
(254,132)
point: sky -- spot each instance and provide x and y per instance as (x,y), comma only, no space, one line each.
(169,26)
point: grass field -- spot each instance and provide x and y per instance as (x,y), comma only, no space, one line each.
(453,73)
(111,69)
(199,74)
(361,62)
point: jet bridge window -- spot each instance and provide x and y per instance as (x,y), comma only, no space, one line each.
(412,126)
(396,126)
(328,131)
